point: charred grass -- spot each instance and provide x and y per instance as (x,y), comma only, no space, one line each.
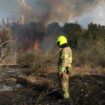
(84,90)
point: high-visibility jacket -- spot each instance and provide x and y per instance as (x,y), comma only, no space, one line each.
(65,58)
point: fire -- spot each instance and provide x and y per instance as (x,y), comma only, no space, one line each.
(36,44)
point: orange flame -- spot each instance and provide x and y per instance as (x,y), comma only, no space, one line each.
(36,44)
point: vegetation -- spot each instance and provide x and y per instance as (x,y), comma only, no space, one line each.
(88,45)
(30,59)
(40,84)
(5,44)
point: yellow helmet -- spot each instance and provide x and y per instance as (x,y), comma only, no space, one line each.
(61,40)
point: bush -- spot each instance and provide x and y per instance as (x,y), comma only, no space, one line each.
(30,59)
(5,44)
(27,59)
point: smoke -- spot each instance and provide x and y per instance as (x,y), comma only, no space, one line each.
(47,11)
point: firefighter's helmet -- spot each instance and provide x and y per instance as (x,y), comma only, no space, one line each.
(61,40)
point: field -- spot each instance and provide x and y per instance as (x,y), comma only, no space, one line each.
(28,65)
(87,86)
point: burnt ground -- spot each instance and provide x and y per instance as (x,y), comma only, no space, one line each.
(86,88)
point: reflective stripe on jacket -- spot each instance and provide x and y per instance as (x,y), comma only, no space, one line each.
(65,58)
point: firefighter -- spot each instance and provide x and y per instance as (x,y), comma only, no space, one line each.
(64,64)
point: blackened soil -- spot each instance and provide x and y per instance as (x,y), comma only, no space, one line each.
(84,90)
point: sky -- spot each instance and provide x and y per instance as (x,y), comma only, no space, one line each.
(48,11)
(8,9)
(96,16)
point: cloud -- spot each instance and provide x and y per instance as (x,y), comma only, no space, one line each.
(96,16)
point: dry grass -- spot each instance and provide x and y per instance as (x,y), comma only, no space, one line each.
(43,67)
(30,59)
(93,56)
